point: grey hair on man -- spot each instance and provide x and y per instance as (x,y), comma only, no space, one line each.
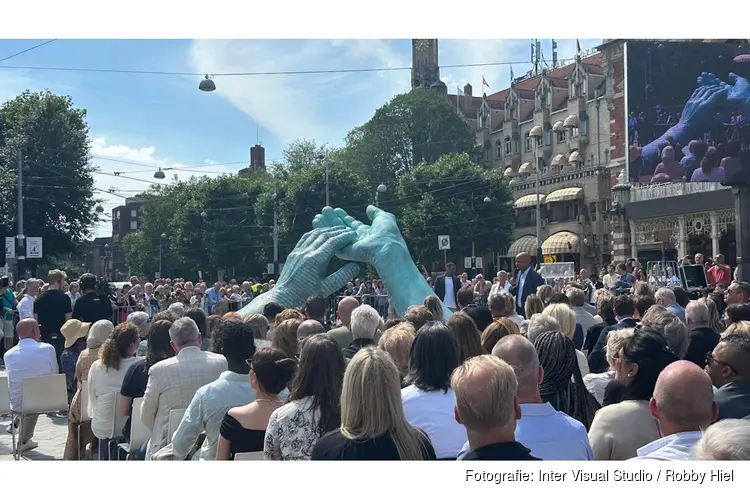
(184,332)
(139,319)
(674,330)
(541,323)
(727,439)
(665,297)
(697,315)
(366,322)
(177,308)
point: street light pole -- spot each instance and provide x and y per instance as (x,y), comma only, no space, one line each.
(161,239)
(328,200)
(382,188)
(21,248)
(276,235)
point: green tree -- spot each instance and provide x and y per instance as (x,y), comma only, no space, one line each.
(52,136)
(448,197)
(417,127)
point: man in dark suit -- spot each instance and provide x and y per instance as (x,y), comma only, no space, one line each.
(624,312)
(447,287)
(527,281)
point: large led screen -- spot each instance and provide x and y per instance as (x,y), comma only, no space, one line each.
(688,105)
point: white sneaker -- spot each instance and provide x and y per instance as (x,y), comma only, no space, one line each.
(29,445)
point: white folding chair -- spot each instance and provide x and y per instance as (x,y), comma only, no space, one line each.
(85,418)
(4,397)
(40,395)
(139,433)
(175,417)
(254,455)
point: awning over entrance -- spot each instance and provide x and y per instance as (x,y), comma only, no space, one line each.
(562,242)
(565,194)
(559,160)
(523,244)
(528,201)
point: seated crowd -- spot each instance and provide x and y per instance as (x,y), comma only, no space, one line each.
(638,376)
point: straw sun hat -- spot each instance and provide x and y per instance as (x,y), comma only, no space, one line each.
(73,330)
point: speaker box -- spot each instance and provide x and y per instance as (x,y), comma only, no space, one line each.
(693,276)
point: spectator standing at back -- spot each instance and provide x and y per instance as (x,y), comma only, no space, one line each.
(9,302)
(527,281)
(447,287)
(315,308)
(624,311)
(665,297)
(26,304)
(366,323)
(92,306)
(703,338)
(584,318)
(720,272)
(52,309)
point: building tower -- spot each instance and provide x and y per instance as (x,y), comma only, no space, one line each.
(425,69)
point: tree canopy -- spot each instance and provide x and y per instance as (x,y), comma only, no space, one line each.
(417,145)
(59,197)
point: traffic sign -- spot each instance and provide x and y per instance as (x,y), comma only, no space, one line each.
(10,247)
(34,247)
(478,262)
(444,242)
(550,259)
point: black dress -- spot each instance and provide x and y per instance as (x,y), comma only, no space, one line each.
(334,446)
(241,440)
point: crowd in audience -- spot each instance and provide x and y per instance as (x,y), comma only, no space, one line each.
(541,372)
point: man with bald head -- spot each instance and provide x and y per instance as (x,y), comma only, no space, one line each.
(683,405)
(29,359)
(308,328)
(548,433)
(343,334)
(527,281)
(703,338)
(486,404)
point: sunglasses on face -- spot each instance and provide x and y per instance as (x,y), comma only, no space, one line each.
(710,359)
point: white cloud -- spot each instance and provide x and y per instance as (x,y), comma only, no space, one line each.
(136,167)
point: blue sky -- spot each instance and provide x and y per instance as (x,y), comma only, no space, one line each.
(165,121)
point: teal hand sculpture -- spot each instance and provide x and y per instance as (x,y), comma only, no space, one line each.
(382,245)
(306,268)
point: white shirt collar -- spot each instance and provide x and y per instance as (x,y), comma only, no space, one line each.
(662,447)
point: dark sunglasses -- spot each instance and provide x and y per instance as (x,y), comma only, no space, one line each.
(710,359)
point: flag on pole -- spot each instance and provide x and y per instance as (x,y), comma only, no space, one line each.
(511,75)
(484,83)
(578,46)
(459,91)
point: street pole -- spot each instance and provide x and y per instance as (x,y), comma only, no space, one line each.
(328,200)
(473,254)
(276,236)
(376,197)
(538,208)
(160,245)
(21,249)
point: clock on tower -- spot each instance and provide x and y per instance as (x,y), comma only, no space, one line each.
(424,67)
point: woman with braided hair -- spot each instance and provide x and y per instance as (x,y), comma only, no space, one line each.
(562,384)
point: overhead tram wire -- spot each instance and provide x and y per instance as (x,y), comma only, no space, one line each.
(27,50)
(255,73)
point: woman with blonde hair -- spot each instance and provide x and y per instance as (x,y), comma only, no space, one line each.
(544,292)
(567,319)
(714,321)
(259,324)
(285,337)
(396,341)
(433,304)
(596,383)
(641,289)
(373,425)
(468,338)
(498,329)
(532,306)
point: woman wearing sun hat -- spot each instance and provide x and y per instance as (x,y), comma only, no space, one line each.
(97,334)
(75,333)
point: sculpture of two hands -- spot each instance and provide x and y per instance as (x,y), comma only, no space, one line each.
(336,233)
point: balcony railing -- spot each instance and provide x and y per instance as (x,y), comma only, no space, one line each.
(647,192)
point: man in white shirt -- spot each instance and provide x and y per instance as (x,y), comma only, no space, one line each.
(447,286)
(26,305)
(172,383)
(501,285)
(683,405)
(29,359)
(549,434)
(211,402)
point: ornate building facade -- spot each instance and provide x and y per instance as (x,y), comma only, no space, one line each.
(574,156)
